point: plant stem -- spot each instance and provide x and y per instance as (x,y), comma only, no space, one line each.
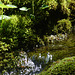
(33,7)
(2,18)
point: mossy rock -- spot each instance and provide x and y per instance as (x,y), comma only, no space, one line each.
(65,66)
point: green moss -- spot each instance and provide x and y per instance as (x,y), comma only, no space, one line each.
(7,57)
(65,66)
(20,34)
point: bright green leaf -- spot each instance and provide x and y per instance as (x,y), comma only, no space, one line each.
(24,9)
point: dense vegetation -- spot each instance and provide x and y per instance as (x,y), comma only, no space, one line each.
(39,18)
(65,66)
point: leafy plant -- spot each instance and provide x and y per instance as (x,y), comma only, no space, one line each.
(19,32)
(24,9)
(63,26)
(64,66)
(7,58)
(2,6)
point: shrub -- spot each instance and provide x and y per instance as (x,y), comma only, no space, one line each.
(64,25)
(17,32)
(7,58)
(65,66)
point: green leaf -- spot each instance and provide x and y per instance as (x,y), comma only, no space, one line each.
(11,6)
(24,9)
(44,6)
(4,17)
(32,16)
(7,6)
(5,60)
(3,6)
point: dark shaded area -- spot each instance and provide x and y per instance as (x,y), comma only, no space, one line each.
(44,24)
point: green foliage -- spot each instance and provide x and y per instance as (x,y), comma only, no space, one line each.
(7,6)
(62,67)
(50,11)
(72,15)
(63,25)
(0,12)
(65,6)
(7,59)
(52,4)
(17,1)
(17,32)
(70,42)
(40,41)
(2,6)
(3,47)
(49,15)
